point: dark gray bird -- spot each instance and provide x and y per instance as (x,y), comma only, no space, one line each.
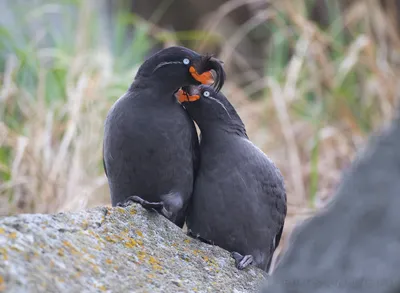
(239,197)
(150,143)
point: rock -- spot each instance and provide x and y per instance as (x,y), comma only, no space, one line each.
(354,244)
(112,250)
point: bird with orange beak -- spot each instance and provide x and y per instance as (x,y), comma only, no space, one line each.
(239,196)
(150,147)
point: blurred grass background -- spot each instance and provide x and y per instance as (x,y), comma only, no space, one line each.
(311,79)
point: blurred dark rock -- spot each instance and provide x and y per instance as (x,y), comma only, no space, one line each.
(353,245)
(112,250)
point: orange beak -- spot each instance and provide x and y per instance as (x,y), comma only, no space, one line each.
(185,97)
(204,78)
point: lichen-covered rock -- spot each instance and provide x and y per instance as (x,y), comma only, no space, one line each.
(112,250)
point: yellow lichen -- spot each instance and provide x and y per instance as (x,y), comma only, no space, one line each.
(153,260)
(108,261)
(205,258)
(3,252)
(91,232)
(187,240)
(133,212)
(130,243)
(96,269)
(12,235)
(74,251)
(102,288)
(60,252)
(15,248)
(120,209)
(77,274)
(139,233)
(156,267)
(150,276)
(154,263)
(141,255)
(2,284)
(110,239)
(71,248)
(85,224)
(2,231)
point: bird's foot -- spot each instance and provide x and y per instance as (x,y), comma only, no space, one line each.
(198,237)
(128,202)
(158,206)
(151,206)
(242,262)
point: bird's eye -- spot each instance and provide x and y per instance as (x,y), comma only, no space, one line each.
(206,94)
(186,61)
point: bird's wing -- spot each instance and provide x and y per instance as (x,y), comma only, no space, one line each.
(195,150)
(278,237)
(104,163)
(274,189)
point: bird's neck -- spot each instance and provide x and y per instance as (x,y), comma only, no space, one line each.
(212,130)
(158,86)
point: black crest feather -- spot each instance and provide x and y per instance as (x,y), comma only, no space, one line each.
(207,63)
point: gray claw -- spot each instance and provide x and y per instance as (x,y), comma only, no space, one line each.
(128,202)
(158,206)
(242,262)
(166,213)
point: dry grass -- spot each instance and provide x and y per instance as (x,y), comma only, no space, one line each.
(54,135)
(320,104)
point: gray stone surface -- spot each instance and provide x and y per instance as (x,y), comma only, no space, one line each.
(354,244)
(112,250)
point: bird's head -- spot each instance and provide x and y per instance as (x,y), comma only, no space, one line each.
(210,108)
(178,66)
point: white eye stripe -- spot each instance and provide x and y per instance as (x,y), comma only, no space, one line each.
(186,61)
(222,105)
(206,94)
(162,64)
